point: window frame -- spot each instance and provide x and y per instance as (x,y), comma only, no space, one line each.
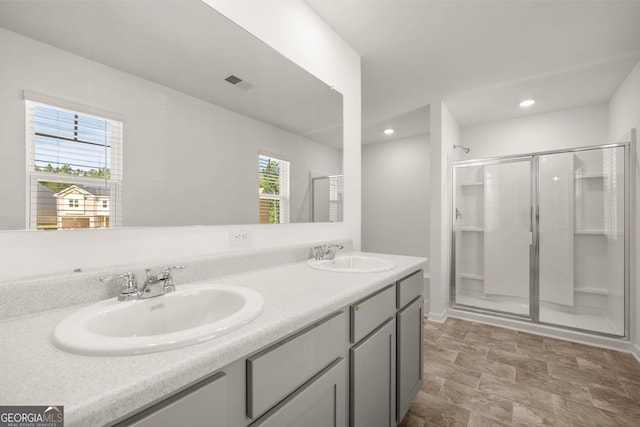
(113,183)
(284,184)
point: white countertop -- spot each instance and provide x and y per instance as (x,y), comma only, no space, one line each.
(97,390)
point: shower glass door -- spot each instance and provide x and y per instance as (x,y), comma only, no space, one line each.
(493,236)
(544,238)
(582,240)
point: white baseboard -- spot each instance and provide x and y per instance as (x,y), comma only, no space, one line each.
(438,318)
(636,352)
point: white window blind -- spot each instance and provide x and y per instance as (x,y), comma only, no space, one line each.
(274,189)
(74,165)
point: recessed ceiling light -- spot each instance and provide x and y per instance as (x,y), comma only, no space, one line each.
(527,102)
(388,131)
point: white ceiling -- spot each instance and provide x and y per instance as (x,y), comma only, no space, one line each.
(187,46)
(405,125)
(483,57)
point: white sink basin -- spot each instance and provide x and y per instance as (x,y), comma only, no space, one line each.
(191,314)
(353,264)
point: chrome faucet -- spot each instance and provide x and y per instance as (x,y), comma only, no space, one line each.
(158,284)
(153,286)
(128,285)
(323,252)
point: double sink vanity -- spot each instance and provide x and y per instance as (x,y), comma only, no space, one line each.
(309,343)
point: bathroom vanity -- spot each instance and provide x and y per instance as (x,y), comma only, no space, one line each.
(359,366)
(329,349)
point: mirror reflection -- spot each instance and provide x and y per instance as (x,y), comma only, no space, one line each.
(158,114)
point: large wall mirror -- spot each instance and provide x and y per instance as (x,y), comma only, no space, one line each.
(138,113)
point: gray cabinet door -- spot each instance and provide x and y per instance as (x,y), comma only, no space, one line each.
(319,403)
(203,404)
(410,364)
(373,379)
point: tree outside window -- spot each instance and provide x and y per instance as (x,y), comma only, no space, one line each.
(273,176)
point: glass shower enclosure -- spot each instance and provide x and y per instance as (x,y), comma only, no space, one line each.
(543,238)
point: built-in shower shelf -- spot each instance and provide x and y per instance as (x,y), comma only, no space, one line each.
(469,228)
(472,184)
(591,290)
(470,276)
(593,232)
(590,176)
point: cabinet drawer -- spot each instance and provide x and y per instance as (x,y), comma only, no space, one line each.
(275,372)
(409,288)
(320,402)
(371,312)
(188,405)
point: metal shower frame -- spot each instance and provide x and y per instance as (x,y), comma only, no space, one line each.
(534,279)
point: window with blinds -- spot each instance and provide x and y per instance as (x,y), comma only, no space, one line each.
(273,189)
(74,164)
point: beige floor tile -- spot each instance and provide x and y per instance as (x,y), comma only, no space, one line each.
(438,411)
(490,406)
(632,389)
(478,375)
(464,376)
(476,419)
(565,388)
(480,329)
(454,345)
(500,370)
(432,384)
(613,401)
(587,377)
(541,354)
(432,352)
(470,358)
(559,347)
(491,342)
(518,360)
(411,420)
(570,412)
(517,393)
(526,415)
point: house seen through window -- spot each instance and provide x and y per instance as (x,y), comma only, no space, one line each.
(74,166)
(273,190)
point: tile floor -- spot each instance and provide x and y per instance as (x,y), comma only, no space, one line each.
(479,375)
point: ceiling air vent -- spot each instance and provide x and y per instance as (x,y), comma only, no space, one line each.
(238,82)
(233,79)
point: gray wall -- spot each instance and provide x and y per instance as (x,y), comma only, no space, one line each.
(395,196)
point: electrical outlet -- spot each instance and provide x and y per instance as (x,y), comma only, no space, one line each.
(239,236)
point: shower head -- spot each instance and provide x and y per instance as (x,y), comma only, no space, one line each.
(465,149)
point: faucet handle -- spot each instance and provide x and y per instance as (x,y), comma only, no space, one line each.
(128,276)
(326,251)
(166,274)
(168,268)
(128,285)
